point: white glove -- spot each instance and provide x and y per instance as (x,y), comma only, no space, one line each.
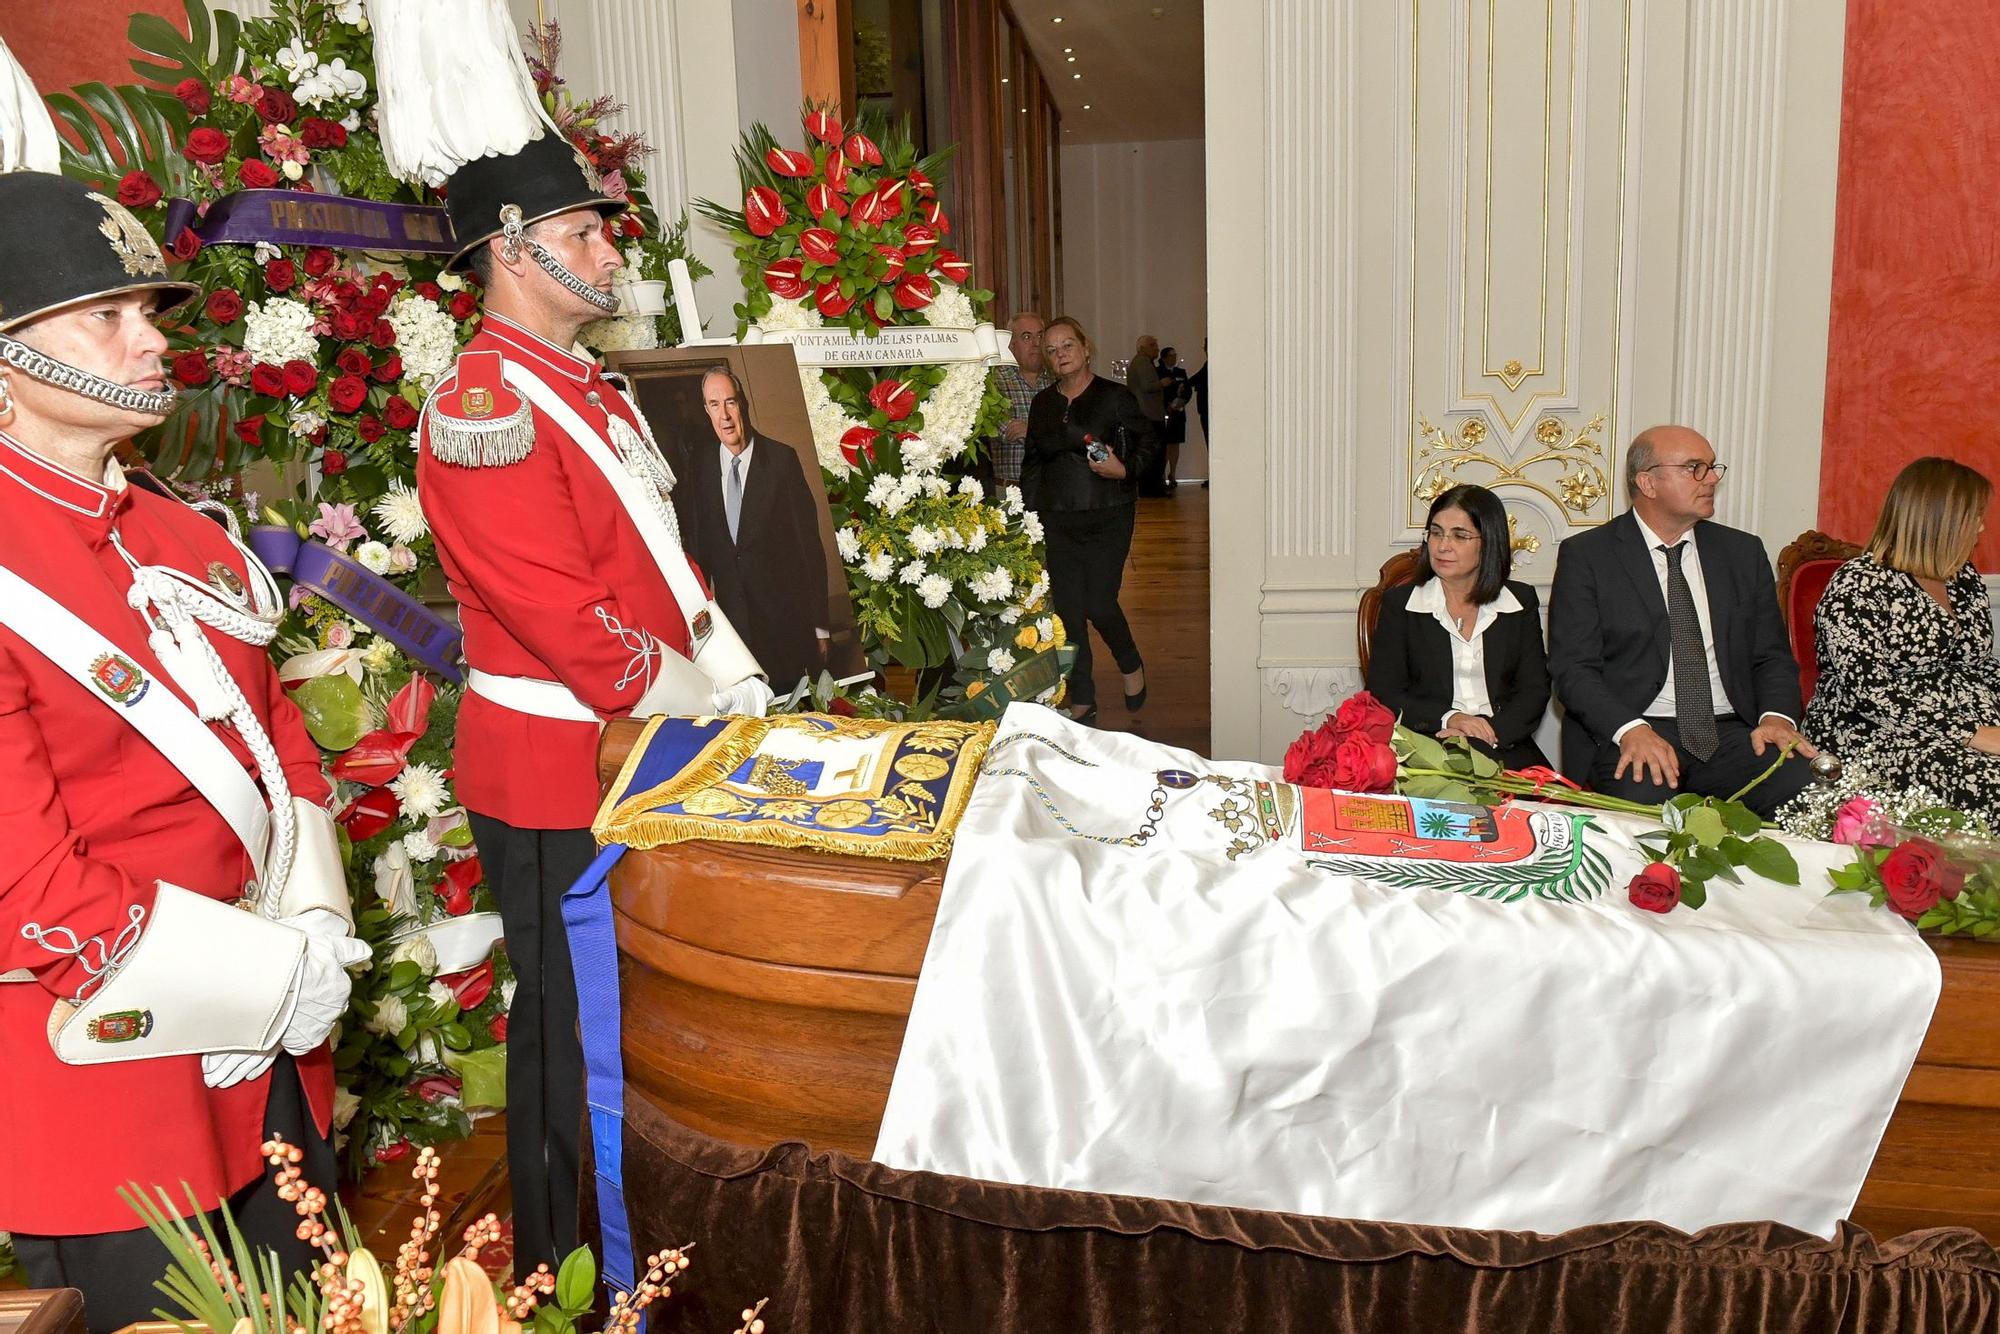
(220,1069)
(321,989)
(750,696)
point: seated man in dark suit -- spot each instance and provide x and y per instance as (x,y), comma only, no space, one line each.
(751,523)
(1666,645)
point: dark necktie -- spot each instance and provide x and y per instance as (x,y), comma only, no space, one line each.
(732,494)
(1694,703)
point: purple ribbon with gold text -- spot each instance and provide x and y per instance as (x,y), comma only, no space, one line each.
(300,217)
(364,595)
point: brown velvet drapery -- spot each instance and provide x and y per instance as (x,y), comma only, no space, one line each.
(839,1244)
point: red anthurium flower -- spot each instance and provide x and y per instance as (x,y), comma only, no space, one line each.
(857,443)
(914,291)
(432,1088)
(375,758)
(789,162)
(471,986)
(369,814)
(785,279)
(891,194)
(866,208)
(460,879)
(861,150)
(933,213)
(821,125)
(891,260)
(893,398)
(919,237)
(921,183)
(390,1153)
(410,709)
(823,199)
(498,1028)
(820,245)
(763,211)
(953,268)
(830,302)
(836,169)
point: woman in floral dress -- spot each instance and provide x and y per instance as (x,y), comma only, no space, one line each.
(1904,637)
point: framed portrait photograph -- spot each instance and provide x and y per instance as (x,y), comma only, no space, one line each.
(732,424)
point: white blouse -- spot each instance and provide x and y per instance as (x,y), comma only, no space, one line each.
(1468,656)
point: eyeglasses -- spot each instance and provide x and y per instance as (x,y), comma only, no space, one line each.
(1696,469)
(1461,536)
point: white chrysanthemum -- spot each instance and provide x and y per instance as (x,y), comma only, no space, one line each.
(1010,615)
(421,791)
(1037,589)
(621,333)
(378,655)
(977,542)
(849,543)
(936,488)
(1031,526)
(934,590)
(915,572)
(969,488)
(788,314)
(999,660)
(374,556)
(1045,627)
(1010,499)
(389,1017)
(419,950)
(954,539)
(895,500)
(993,586)
(879,490)
(278,331)
(923,541)
(426,339)
(419,846)
(879,566)
(401,514)
(951,308)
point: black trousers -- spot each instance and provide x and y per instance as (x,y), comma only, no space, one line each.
(530,869)
(1733,764)
(116,1271)
(1087,551)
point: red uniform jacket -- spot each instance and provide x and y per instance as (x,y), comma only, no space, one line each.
(90,817)
(553,582)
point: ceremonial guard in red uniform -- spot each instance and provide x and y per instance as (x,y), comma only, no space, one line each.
(547,498)
(174,931)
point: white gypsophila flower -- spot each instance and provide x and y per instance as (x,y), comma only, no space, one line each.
(374,556)
(977,542)
(879,566)
(401,513)
(438,994)
(421,791)
(951,308)
(426,338)
(345,1105)
(419,846)
(999,660)
(914,573)
(1010,500)
(934,590)
(304,422)
(418,949)
(969,487)
(849,543)
(279,330)
(923,541)
(788,314)
(389,1017)
(1031,526)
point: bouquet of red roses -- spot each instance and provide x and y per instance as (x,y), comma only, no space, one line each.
(1946,880)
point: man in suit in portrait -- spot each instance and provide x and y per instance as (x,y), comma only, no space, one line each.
(1666,645)
(749,519)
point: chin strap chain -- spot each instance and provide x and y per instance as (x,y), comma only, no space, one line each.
(514,238)
(41,366)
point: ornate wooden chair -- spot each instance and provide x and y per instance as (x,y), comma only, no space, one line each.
(1399,569)
(1804,567)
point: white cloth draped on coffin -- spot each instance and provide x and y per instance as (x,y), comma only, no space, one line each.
(1257,1031)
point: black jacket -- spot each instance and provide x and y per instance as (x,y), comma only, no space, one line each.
(771,582)
(1609,645)
(1054,474)
(1409,666)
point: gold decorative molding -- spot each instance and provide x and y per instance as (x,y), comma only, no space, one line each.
(1566,465)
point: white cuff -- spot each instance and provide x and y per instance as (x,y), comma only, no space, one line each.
(1786,719)
(1619,735)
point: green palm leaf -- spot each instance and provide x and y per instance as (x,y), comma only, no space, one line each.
(209,51)
(1579,873)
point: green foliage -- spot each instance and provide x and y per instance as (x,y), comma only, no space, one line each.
(210,50)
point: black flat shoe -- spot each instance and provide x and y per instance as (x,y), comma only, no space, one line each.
(1086,715)
(1133,703)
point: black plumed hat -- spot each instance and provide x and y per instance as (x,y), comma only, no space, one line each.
(62,242)
(542,178)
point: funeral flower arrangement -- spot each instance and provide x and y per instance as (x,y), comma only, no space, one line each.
(1934,866)
(848,233)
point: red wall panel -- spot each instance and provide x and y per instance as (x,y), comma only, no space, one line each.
(65,42)
(1913,357)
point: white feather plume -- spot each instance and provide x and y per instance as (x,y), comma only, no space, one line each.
(453,85)
(27,135)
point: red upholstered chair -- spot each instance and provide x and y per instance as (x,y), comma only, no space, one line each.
(1399,569)
(1804,568)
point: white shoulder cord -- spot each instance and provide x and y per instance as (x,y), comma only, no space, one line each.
(171,601)
(642,458)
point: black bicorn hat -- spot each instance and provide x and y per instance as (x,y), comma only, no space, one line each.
(542,178)
(62,242)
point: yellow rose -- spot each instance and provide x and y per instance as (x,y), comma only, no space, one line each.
(975,688)
(1027,637)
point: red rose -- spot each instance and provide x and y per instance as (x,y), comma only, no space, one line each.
(430,291)
(953,267)
(1656,889)
(382,334)
(250,430)
(256,174)
(860,149)
(276,107)
(919,237)
(349,392)
(225,305)
(206,146)
(893,398)
(891,259)
(857,443)
(1917,875)
(194,95)
(332,462)
(370,428)
(835,170)
(1365,714)
(353,361)
(320,261)
(268,380)
(400,415)
(138,190)
(321,133)
(786,278)
(789,162)
(842,706)
(820,245)
(498,1028)
(186,246)
(822,126)
(388,370)
(914,291)
(350,325)
(1362,764)
(390,1153)
(830,302)
(191,368)
(763,211)
(463,305)
(280,275)
(823,199)
(301,378)
(1309,760)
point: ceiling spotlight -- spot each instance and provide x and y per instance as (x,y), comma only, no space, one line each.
(1056,19)
(1076,76)
(1072,60)
(1068,49)
(1086,106)
(1003,78)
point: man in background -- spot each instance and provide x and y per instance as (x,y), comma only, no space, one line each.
(1142,377)
(1020,382)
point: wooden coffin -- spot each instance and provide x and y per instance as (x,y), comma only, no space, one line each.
(766,993)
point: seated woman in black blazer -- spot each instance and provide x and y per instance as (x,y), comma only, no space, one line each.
(1459,652)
